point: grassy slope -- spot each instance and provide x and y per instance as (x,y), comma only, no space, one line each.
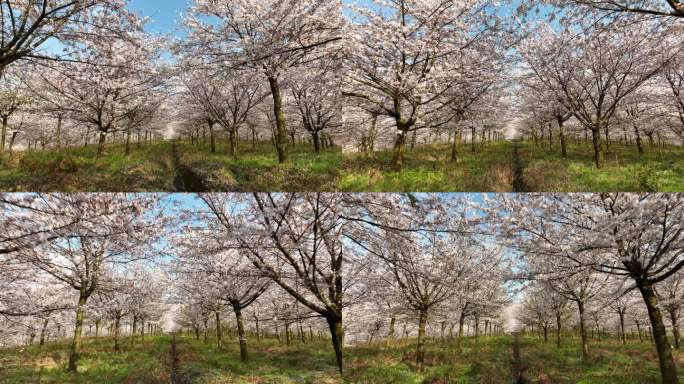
(427,169)
(487,361)
(659,169)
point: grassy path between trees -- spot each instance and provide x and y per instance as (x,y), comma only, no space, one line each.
(488,360)
(493,167)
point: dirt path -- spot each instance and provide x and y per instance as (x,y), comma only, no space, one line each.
(518,365)
(185,179)
(518,170)
(176,371)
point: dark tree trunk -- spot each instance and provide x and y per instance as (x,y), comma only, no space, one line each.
(639,144)
(43,331)
(232,133)
(218,328)
(583,331)
(212,138)
(337,334)
(674,318)
(315,137)
(78,329)
(420,348)
(241,333)
(558,329)
(598,147)
(101,143)
(399,144)
(281,129)
(3,135)
(117,327)
(668,369)
(561,133)
(390,334)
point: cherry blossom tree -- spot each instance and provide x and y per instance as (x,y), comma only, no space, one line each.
(403,58)
(592,71)
(27,25)
(273,38)
(636,237)
(296,241)
(230,274)
(112,84)
(80,256)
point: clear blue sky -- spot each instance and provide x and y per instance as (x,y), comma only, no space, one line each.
(165,14)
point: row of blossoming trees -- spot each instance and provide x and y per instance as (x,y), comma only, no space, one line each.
(351,268)
(387,73)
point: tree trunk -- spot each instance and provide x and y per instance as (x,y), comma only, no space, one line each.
(598,147)
(337,334)
(472,139)
(101,143)
(668,370)
(399,144)
(206,329)
(78,329)
(583,332)
(135,323)
(241,333)
(390,334)
(461,321)
(212,138)
(640,146)
(218,328)
(371,136)
(59,132)
(258,333)
(3,135)
(117,326)
(316,141)
(558,329)
(674,318)
(454,148)
(43,331)
(561,133)
(281,129)
(420,352)
(233,142)
(288,341)
(622,327)
(128,140)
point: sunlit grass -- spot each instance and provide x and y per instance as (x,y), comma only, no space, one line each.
(428,168)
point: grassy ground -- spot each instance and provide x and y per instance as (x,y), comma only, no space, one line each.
(486,361)
(146,362)
(78,169)
(426,169)
(491,168)
(658,169)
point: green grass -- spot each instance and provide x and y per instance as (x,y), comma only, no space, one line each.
(144,362)
(484,361)
(610,362)
(78,169)
(658,169)
(427,168)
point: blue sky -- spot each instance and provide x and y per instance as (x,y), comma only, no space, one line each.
(165,14)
